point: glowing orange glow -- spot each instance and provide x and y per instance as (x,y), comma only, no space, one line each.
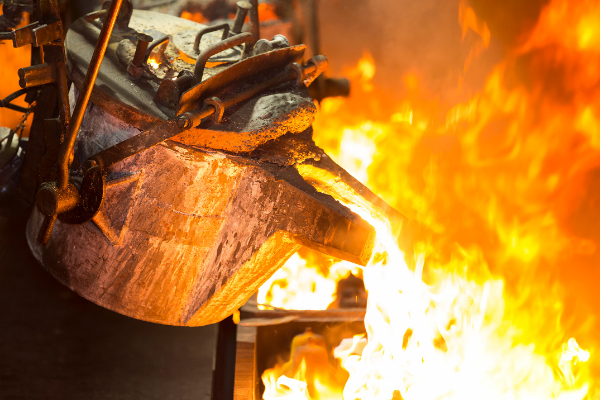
(494,298)
(153,63)
(184,57)
(266,12)
(194,16)
(469,21)
(12,60)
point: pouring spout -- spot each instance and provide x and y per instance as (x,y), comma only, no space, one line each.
(317,171)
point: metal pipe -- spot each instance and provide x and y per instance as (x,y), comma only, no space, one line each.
(64,109)
(150,138)
(140,49)
(216,49)
(13,96)
(66,149)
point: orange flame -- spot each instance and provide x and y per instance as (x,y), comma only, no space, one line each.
(266,12)
(502,189)
(468,20)
(307,375)
(300,285)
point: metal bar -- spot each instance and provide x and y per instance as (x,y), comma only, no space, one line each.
(46,228)
(95,15)
(254,21)
(36,75)
(55,55)
(224,364)
(15,107)
(286,76)
(12,96)
(149,138)
(84,96)
(214,28)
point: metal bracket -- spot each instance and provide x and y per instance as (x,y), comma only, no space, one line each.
(36,75)
(114,230)
(37,34)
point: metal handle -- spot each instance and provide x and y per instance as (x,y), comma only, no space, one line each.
(66,150)
(214,28)
(242,38)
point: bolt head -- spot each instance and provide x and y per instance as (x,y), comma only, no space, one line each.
(183,122)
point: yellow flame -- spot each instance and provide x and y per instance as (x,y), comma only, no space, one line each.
(501,192)
(153,63)
(308,374)
(451,340)
(302,286)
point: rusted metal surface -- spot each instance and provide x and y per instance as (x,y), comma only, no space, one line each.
(254,21)
(132,100)
(192,256)
(37,34)
(181,223)
(185,42)
(247,69)
(44,109)
(37,75)
(214,107)
(47,33)
(140,50)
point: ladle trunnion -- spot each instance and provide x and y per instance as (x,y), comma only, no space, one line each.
(191,176)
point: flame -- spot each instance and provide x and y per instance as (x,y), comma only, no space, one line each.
(469,21)
(307,375)
(153,63)
(497,301)
(455,339)
(300,285)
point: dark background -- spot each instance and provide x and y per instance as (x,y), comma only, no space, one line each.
(56,345)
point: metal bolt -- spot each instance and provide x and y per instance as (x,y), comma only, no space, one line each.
(140,49)
(183,122)
(240,16)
